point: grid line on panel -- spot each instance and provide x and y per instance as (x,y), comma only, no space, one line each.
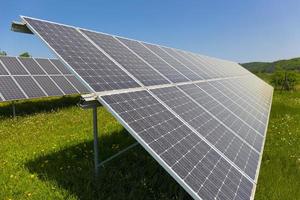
(188,56)
(148,64)
(87,62)
(3,71)
(151,113)
(48,67)
(124,57)
(172,62)
(30,86)
(60,66)
(241,107)
(156,62)
(244,139)
(30,82)
(49,86)
(10,90)
(64,84)
(243,92)
(13,86)
(200,72)
(205,125)
(31,66)
(226,85)
(203,138)
(199,86)
(232,106)
(177,69)
(200,77)
(13,66)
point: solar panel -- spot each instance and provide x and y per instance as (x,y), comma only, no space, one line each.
(32,67)
(133,64)
(9,90)
(64,85)
(155,61)
(86,60)
(2,70)
(26,78)
(30,87)
(224,115)
(191,161)
(60,66)
(47,66)
(13,65)
(203,73)
(77,84)
(226,141)
(49,86)
(203,119)
(173,62)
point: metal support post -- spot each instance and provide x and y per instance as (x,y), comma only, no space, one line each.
(96,147)
(14,109)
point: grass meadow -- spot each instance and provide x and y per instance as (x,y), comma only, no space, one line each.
(46,153)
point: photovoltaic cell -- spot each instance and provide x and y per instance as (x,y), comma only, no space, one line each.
(231,105)
(91,64)
(224,115)
(76,83)
(200,72)
(173,62)
(218,135)
(31,65)
(47,66)
(178,148)
(13,65)
(155,61)
(29,86)
(127,59)
(60,66)
(241,108)
(3,70)
(64,84)
(48,85)
(9,90)
(191,57)
(37,83)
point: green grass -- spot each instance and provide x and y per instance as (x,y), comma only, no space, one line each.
(280,170)
(46,153)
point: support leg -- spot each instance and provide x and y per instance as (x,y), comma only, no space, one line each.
(96,147)
(14,109)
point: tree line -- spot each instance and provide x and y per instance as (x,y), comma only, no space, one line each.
(24,54)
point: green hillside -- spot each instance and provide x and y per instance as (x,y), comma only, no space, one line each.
(269,67)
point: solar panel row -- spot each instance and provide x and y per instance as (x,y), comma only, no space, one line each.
(109,62)
(24,78)
(204,121)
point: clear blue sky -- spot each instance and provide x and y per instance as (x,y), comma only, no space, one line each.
(239,30)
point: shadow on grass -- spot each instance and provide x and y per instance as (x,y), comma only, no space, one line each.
(132,175)
(27,107)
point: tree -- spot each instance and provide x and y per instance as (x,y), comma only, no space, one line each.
(25,55)
(3,53)
(284,80)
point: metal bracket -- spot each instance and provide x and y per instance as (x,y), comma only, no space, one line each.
(89,101)
(117,154)
(20,27)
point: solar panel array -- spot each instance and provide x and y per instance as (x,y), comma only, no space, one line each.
(203,119)
(26,78)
